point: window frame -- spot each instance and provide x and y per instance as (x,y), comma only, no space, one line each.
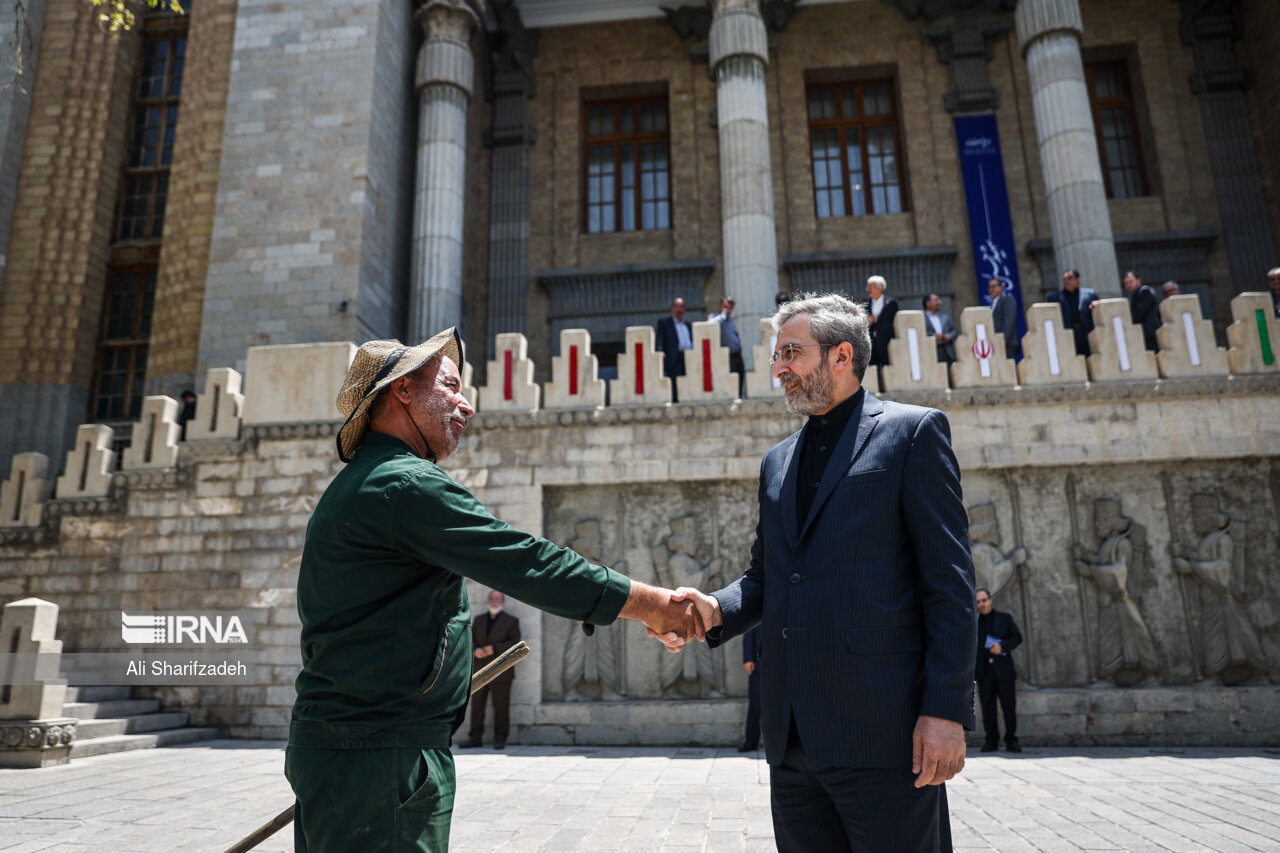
(1130,103)
(168,104)
(617,141)
(841,124)
(134,343)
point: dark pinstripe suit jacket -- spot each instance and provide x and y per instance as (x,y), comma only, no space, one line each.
(867,608)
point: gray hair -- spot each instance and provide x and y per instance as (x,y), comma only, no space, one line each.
(833,319)
(879,281)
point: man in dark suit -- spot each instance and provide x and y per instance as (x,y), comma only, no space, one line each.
(1144,308)
(882,309)
(492,634)
(674,337)
(751,663)
(998,635)
(1004,316)
(940,327)
(862,583)
(1077,308)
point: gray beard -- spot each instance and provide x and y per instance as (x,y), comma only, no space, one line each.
(815,393)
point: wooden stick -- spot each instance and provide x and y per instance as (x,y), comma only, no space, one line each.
(479,681)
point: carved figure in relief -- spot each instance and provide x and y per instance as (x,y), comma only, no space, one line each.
(1125,651)
(687,675)
(993,568)
(592,668)
(1215,567)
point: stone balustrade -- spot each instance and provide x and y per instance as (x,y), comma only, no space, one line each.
(293,387)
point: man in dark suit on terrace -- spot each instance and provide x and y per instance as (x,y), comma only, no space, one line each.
(862,583)
(1077,308)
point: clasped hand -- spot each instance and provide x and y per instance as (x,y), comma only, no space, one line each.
(706,611)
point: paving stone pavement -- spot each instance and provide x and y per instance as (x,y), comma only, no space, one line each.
(204,797)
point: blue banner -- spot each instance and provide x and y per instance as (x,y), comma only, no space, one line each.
(990,226)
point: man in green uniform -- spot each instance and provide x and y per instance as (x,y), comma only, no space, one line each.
(386,646)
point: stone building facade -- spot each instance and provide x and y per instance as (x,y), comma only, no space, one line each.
(384,167)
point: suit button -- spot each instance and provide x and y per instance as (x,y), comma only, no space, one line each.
(795,578)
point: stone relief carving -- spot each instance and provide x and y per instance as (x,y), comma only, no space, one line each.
(693,673)
(1212,572)
(1123,647)
(993,568)
(999,572)
(593,666)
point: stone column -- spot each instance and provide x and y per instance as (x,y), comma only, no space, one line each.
(1210,29)
(511,138)
(444,82)
(739,53)
(1049,33)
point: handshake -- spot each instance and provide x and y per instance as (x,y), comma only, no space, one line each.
(674,618)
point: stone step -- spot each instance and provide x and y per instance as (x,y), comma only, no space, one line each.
(96,693)
(111,709)
(97,728)
(150,740)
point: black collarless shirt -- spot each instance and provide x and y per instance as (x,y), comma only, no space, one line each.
(817,445)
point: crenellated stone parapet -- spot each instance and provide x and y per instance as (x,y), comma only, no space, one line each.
(913,358)
(33,732)
(1187,345)
(640,380)
(575,372)
(23,495)
(155,441)
(219,409)
(1117,352)
(980,355)
(707,375)
(1254,336)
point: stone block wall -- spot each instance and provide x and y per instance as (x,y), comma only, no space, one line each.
(1080,496)
(63,215)
(312,206)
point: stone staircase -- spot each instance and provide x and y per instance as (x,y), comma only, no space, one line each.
(110,721)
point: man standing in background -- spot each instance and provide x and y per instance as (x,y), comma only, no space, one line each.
(882,310)
(1004,316)
(998,635)
(1144,308)
(729,338)
(492,634)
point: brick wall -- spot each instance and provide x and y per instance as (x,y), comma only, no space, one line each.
(193,188)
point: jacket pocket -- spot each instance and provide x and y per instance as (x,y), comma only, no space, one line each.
(898,639)
(862,478)
(453,640)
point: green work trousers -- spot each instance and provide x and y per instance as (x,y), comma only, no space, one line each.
(366,800)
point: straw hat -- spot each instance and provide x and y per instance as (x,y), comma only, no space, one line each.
(377,364)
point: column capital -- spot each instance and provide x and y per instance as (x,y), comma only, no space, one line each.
(1039,18)
(445,57)
(513,48)
(1210,29)
(966,43)
(455,19)
(737,29)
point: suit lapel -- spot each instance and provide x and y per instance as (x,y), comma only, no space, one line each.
(790,468)
(852,440)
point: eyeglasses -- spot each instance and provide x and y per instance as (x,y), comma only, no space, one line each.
(788,353)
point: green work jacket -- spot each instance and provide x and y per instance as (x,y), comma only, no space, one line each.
(386,625)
